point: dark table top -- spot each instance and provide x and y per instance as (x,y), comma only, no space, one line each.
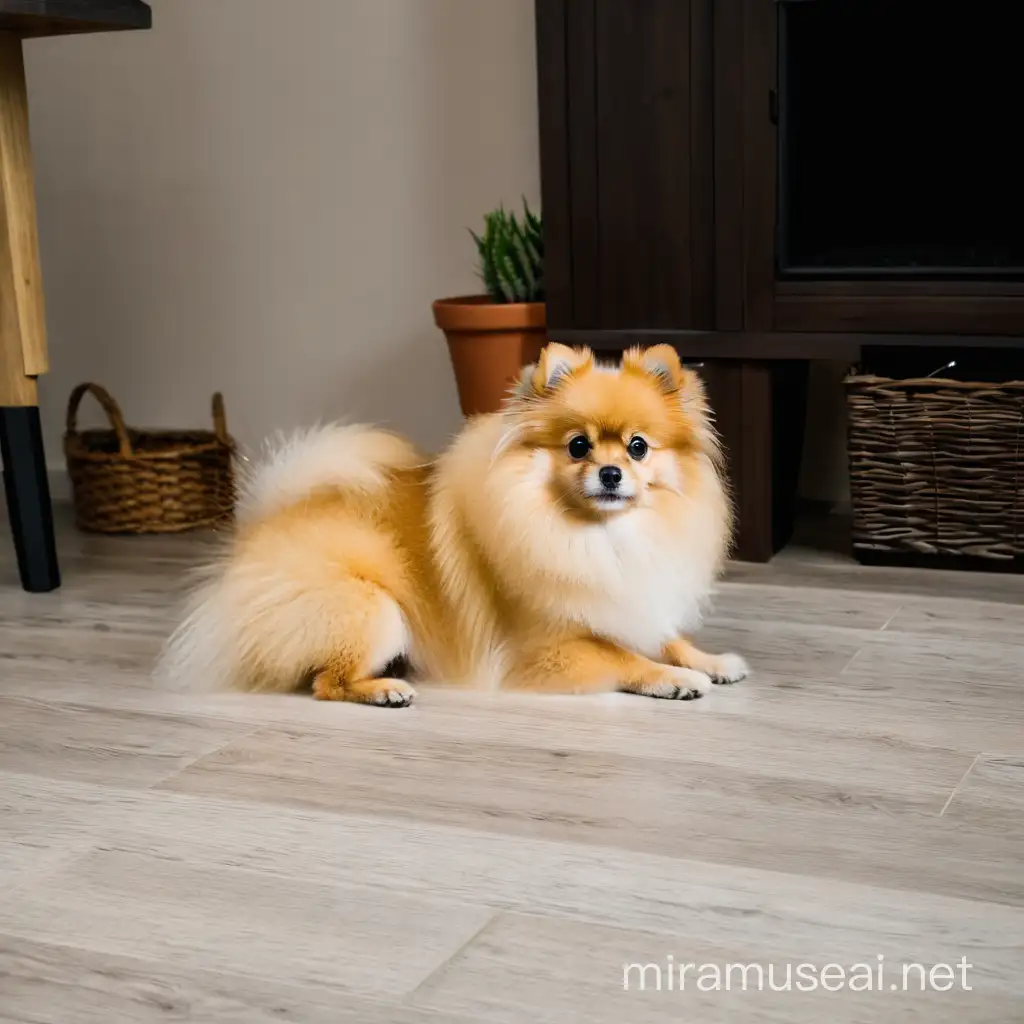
(63,17)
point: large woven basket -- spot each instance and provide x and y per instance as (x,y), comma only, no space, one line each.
(937,467)
(148,481)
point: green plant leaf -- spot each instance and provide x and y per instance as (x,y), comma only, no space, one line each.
(511,254)
(506,284)
(521,256)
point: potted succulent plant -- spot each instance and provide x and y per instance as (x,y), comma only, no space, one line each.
(493,335)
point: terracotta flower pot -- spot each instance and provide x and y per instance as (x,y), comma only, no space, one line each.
(489,343)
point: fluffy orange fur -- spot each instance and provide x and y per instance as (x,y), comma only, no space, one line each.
(564,544)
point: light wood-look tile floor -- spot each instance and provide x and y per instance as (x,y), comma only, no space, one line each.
(166,857)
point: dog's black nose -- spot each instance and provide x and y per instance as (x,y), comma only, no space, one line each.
(610,476)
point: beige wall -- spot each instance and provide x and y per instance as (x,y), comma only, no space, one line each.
(267,203)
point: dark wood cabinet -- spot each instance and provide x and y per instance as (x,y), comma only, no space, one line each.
(895,300)
(684,202)
(644,241)
(660,150)
(627,163)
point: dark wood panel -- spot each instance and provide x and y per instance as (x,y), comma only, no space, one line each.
(912,288)
(61,17)
(978,314)
(759,158)
(779,344)
(759,410)
(756,455)
(740,395)
(627,162)
(658,154)
(702,165)
(723,384)
(644,151)
(724,344)
(553,125)
(581,76)
(789,381)
(728,163)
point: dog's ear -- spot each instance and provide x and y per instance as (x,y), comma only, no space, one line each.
(558,362)
(523,386)
(663,364)
(692,393)
(660,362)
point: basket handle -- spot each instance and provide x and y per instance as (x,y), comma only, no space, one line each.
(110,407)
(220,423)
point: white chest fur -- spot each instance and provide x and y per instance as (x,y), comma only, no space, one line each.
(645,589)
(640,578)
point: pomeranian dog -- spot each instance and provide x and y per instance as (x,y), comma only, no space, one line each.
(564,545)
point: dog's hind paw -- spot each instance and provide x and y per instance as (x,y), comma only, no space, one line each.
(384,693)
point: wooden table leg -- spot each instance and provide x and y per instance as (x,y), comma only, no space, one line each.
(23,355)
(759,408)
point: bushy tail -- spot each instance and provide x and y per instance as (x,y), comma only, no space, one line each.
(336,457)
(259,617)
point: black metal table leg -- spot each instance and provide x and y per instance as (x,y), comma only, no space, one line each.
(28,497)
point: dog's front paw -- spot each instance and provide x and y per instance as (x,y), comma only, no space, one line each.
(673,684)
(727,668)
(393,693)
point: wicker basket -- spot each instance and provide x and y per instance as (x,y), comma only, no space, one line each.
(148,481)
(937,467)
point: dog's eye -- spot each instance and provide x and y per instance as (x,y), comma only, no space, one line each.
(637,448)
(579,447)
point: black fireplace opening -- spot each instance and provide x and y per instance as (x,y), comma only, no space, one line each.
(900,141)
